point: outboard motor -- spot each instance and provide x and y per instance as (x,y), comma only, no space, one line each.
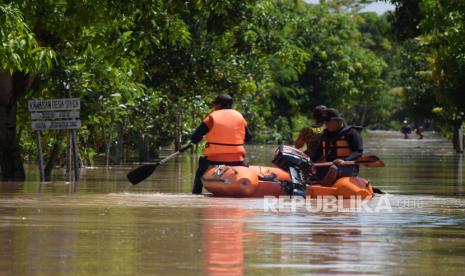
(294,162)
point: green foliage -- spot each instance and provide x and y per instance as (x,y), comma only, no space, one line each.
(136,64)
(434,34)
(19,50)
(444,35)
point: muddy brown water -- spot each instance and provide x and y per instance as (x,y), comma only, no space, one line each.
(105,226)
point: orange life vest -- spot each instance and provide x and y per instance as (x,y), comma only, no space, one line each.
(227,133)
(336,148)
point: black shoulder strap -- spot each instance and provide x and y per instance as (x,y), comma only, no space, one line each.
(221,144)
(359,128)
(347,128)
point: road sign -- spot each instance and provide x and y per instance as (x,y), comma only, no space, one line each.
(45,125)
(54,115)
(54,104)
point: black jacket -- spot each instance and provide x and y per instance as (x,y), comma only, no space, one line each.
(349,133)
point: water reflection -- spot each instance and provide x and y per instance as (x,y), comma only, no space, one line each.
(223,237)
(54,187)
(11,187)
(178,176)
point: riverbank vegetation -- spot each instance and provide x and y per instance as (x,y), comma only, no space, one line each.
(136,64)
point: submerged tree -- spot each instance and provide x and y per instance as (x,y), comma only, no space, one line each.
(21,60)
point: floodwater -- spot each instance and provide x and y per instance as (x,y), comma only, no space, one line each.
(106,226)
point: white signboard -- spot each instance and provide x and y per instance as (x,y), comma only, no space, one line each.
(55,115)
(54,104)
(45,125)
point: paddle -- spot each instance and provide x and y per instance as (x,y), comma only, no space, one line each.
(146,170)
(369,161)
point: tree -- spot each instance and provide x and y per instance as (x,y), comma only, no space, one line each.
(21,58)
(439,30)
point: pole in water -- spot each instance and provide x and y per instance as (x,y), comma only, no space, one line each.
(460,140)
(40,157)
(75,155)
(459,174)
(458,133)
(177,144)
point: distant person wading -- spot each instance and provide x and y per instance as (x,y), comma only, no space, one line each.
(419,131)
(406,129)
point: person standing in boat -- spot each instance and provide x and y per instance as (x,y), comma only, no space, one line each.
(226,131)
(310,136)
(339,143)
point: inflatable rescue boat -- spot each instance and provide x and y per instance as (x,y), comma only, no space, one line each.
(258,181)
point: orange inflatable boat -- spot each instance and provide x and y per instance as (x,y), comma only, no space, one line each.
(292,176)
(257,181)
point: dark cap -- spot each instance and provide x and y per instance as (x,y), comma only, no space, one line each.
(319,113)
(332,114)
(224,100)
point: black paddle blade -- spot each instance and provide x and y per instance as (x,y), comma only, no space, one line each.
(141,173)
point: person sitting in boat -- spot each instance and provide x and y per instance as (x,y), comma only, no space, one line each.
(226,131)
(310,136)
(339,143)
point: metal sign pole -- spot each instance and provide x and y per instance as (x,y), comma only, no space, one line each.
(75,156)
(40,157)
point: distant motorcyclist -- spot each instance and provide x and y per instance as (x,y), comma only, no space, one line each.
(406,129)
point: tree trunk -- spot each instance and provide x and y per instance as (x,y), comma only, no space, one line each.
(458,139)
(364,115)
(119,149)
(108,142)
(11,162)
(143,150)
(54,155)
(288,137)
(11,88)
